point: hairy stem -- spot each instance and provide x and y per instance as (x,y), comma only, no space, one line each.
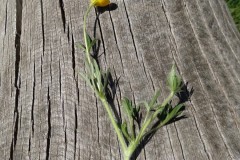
(87,50)
(114,123)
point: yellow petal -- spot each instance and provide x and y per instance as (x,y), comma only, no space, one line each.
(100,3)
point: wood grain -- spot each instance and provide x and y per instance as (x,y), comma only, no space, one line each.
(48,112)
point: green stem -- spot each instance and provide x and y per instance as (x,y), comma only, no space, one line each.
(115,125)
(146,116)
(85,33)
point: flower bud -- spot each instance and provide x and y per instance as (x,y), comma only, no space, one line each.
(174,81)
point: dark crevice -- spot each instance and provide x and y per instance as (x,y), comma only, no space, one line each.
(14,141)
(51,75)
(17,79)
(63,114)
(41,70)
(29,145)
(18,39)
(42,21)
(60,79)
(6,18)
(68,33)
(65,140)
(73,56)
(131,32)
(61,4)
(75,131)
(33,97)
(78,93)
(49,125)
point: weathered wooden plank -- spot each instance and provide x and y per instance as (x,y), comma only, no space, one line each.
(9,90)
(48,112)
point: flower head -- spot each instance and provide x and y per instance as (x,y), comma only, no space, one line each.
(100,3)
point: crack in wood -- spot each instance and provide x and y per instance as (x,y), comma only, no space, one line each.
(33,96)
(61,5)
(65,142)
(49,125)
(60,79)
(73,56)
(6,18)
(75,131)
(17,78)
(42,22)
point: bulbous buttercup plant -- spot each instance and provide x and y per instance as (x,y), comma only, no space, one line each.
(157,114)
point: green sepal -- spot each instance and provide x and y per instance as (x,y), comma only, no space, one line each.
(174,81)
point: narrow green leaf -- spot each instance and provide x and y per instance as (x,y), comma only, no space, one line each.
(81,46)
(127,106)
(86,79)
(146,105)
(173,113)
(89,40)
(105,78)
(93,43)
(159,108)
(136,112)
(125,131)
(98,75)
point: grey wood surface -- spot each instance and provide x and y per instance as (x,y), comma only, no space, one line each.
(48,112)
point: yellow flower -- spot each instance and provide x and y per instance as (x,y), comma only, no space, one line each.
(100,3)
